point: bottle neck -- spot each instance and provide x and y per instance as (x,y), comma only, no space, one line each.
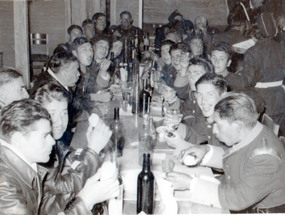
(116,113)
(146,163)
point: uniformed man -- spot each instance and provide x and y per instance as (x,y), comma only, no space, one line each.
(254,166)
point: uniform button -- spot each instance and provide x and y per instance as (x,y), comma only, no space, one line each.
(209,137)
(193,111)
(229,177)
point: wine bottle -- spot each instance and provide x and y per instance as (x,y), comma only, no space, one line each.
(145,188)
(117,73)
(145,100)
(117,137)
(136,94)
(115,206)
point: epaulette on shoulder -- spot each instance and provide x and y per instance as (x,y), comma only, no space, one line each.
(265,149)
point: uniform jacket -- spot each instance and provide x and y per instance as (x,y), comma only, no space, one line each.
(254,172)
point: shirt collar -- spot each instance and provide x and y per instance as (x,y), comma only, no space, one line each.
(18,153)
(247,140)
(54,76)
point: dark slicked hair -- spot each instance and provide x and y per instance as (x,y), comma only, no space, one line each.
(222,46)
(78,42)
(20,116)
(208,66)
(99,38)
(216,80)
(57,60)
(49,92)
(127,13)
(237,106)
(86,22)
(167,42)
(73,27)
(9,74)
(96,16)
(180,46)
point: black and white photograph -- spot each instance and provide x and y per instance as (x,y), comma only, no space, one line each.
(124,107)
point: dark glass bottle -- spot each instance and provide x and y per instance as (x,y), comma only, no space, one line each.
(145,99)
(117,137)
(117,73)
(145,188)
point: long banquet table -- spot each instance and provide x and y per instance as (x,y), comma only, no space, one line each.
(130,167)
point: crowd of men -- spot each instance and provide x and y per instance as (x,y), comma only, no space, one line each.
(220,94)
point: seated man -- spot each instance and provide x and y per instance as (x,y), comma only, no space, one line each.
(189,108)
(12,87)
(73,31)
(90,95)
(221,58)
(100,23)
(180,56)
(254,164)
(221,54)
(25,186)
(88,29)
(210,88)
(82,49)
(202,28)
(175,19)
(168,72)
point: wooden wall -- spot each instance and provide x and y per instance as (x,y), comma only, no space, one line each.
(157,11)
(48,17)
(7,32)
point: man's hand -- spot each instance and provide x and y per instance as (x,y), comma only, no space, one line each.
(198,152)
(95,191)
(98,137)
(180,181)
(104,65)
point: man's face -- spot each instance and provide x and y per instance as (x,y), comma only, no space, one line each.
(59,116)
(184,59)
(36,145)
(71,72)
(207,97)
(84,54)
(220,60)
(14,90)
(117,48)
(101,49)
(101,23)
(196,46)
(194,73)
(126,21)
(175,59)
(227,132)
(165,55)
(89,31)
(75,33)
(168,94)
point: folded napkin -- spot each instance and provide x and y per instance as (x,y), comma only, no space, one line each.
(166,192)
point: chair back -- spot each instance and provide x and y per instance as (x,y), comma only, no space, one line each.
(39,43)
